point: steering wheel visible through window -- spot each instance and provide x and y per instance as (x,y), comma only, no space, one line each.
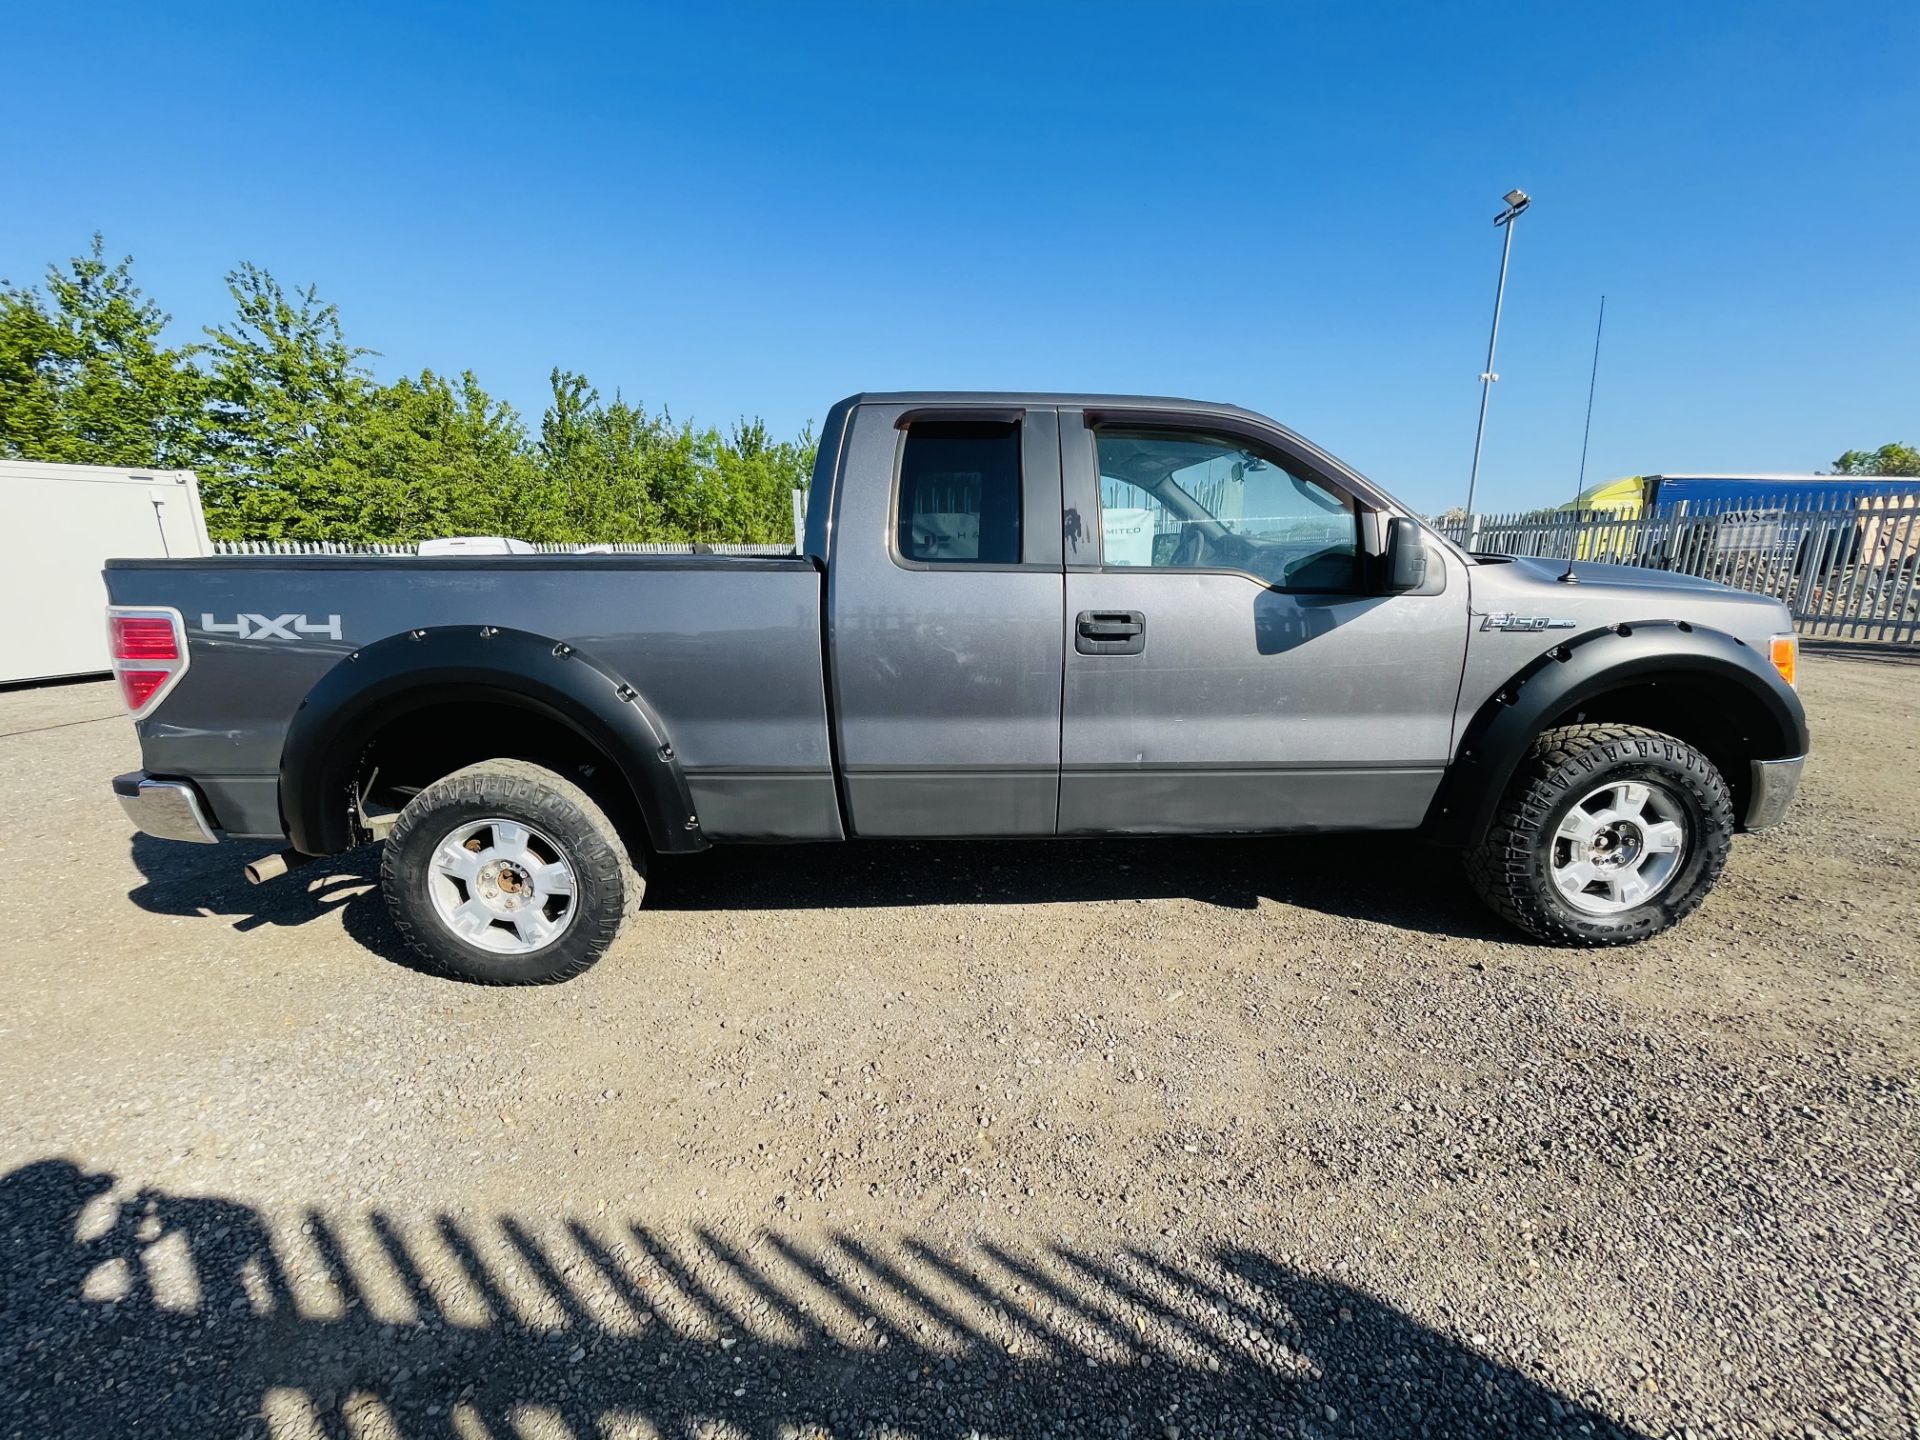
(1175,500)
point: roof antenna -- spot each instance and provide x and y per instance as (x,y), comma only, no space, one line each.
(1580,485)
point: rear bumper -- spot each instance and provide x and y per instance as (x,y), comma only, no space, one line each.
(1775,783)
(164,809)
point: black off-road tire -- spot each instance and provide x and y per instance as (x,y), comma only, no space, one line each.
(608,884)
(1512,867)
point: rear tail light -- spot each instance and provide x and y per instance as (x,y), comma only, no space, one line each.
(139,687)
(144,637)
(149,650)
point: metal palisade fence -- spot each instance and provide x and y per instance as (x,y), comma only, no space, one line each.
(310,547)
(1845,566)
(371,547)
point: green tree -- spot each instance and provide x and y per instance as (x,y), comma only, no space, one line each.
(283,389)
(84,378)
(294,439)
(616,471)
(1894,459)
(756,476)
(424,457)
(608,467)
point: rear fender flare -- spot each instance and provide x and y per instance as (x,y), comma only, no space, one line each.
(1587,666)
(417,668)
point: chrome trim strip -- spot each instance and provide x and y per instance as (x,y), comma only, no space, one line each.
(1775,783)
(164,809)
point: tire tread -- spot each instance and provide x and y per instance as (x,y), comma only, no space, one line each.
(538,791)
(1503,869)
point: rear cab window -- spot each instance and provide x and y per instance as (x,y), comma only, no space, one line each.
(959,498)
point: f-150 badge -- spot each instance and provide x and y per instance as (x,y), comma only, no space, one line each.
(1501,620)
(271,627)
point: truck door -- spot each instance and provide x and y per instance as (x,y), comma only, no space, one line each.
(1228,667)
(944,628)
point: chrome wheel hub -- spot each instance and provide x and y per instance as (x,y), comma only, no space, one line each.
(1619,847)
(502,885)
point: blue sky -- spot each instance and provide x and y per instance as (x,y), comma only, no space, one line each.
(736,209)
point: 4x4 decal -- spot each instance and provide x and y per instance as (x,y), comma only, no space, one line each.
(271,627)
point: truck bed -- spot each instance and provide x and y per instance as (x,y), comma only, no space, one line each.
(726,649)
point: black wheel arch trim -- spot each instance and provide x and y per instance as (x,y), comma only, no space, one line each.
(418,668)
(1586,667)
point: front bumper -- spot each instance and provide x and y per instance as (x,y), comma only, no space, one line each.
(1775,783)
(164,809)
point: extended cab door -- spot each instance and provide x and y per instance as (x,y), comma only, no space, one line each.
(1231,662)
(944,596)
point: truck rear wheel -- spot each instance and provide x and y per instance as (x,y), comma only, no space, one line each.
(1607,834)
(508,873)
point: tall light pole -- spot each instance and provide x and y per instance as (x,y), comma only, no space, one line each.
(1517,202)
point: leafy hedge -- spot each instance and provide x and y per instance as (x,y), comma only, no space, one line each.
(295,439)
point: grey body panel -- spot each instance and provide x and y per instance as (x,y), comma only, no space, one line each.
(946,678)
(1265,703)
(247,807)
(1248,708)
(1604,595)
(766,806)
(725,650)
(1205,798)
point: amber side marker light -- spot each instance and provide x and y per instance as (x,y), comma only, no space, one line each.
(1784,652)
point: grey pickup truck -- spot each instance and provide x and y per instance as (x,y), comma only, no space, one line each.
(1012,615)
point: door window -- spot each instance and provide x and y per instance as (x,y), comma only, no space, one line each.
(959,497)
(1175,500)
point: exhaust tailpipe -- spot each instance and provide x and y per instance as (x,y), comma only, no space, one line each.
(272,867)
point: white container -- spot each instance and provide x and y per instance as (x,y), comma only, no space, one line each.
(62,523)
(475,545)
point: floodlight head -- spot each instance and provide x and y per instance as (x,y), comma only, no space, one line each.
(1516,198)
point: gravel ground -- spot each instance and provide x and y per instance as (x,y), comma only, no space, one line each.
(1169,1139)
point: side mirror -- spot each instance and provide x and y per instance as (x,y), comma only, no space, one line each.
(1406,567)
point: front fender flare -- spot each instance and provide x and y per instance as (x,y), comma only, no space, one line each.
(1650,652)
(418,668)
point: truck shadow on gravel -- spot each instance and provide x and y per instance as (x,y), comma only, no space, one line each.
(1392,880)
(156,1314)
(207,881)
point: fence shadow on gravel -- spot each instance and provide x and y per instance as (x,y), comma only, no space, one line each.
(159,1314)
(1885,653)
(1391,879)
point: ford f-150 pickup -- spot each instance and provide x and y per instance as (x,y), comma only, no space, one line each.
(1012,615)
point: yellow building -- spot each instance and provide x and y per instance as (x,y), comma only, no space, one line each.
(1625,497)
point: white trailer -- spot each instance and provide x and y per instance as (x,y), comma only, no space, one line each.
(61,524)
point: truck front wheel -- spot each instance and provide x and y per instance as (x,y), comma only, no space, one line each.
(508,873)
(1607,834)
